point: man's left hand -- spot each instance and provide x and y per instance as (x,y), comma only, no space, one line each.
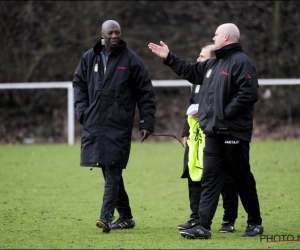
(144,134)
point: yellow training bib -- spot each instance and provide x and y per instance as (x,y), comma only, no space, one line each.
(196,144)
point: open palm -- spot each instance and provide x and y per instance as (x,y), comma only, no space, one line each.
(161,50)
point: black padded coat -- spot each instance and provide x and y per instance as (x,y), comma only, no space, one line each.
(105,104)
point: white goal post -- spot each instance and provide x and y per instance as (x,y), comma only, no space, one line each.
(156,83)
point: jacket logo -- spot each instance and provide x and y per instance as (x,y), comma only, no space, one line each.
(121,67)
(231,142)
(208,73)
(76,72)
(224,73)
(249,77)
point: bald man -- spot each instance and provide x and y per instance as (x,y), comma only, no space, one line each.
(229,90)
(110,81)
(193,163)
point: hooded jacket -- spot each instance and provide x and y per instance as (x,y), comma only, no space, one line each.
(228,92)
(105,104)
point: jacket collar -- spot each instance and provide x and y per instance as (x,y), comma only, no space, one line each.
(98,47)
(228,50)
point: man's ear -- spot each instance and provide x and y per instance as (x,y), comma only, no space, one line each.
(226,37)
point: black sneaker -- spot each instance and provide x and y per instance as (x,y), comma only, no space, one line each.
(123,224)
(253,230)
(106,227)
(197,232)
(192,222)
(227,227)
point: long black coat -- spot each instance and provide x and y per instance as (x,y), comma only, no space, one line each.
(105,104)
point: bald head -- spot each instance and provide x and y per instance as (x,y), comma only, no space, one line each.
(231,30)
(225,34)
(110,23)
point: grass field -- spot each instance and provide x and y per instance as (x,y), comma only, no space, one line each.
(49,202)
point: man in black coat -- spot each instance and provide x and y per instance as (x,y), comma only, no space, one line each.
(109,82)
(229,90)
(194,137)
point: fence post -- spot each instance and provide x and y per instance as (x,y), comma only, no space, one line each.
(71,119)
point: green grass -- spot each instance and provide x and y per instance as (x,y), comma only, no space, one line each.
(49,201)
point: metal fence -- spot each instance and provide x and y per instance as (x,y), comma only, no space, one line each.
(156,83)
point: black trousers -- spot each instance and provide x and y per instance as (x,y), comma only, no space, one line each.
(225,153)
(230,198)
(115,196)
(229,195)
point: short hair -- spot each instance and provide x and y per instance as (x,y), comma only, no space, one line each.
(212,50)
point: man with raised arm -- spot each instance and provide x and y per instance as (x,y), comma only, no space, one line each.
(229,90)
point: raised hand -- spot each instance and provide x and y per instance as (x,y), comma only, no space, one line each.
(159,50)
